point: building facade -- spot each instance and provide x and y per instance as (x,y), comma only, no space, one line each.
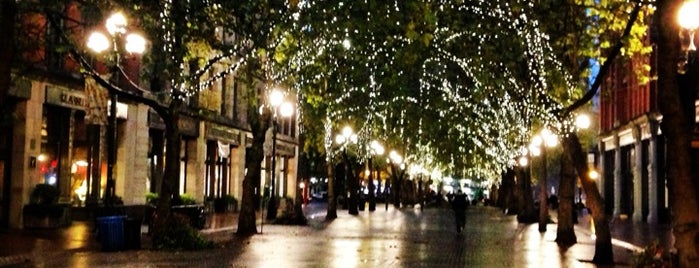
(53,138)
(631,146)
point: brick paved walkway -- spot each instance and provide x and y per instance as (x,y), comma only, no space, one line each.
(406,237)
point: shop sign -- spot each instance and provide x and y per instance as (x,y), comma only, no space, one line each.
(222,133)
(285,149)
(154,120)
(188,126)
(66,97)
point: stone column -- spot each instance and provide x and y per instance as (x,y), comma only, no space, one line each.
(637,175)
(196,166)
(653,173)
(26,145)
(132,163)
(617,176)
(238,168)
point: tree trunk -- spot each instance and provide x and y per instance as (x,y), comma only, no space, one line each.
(676,102)
(372,187)
(396,180)
(543,190)
(172,169)
(525,206)
(507,198)
(253,163)
(603,242)
(332,198)
(565,234)
(351,182)
(302,175)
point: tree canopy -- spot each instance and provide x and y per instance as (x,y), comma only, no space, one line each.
(459,84)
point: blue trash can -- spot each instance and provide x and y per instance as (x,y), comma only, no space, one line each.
(111,232)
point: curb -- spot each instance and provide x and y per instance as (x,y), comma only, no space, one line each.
(615,242)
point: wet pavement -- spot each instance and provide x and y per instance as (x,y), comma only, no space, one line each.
(406,237)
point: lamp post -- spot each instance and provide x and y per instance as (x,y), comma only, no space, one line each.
(539,144)
(376,149)
(119,41)
(394,159)
(689,21)
(582,122)
(344,139)
(417,171)
(284,109)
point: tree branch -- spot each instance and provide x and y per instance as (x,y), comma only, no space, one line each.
(147,99)
(604,70)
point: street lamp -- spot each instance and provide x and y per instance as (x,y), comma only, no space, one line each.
(582,121)
(344,139)
(689,21)
(394,159)
(419,172)
(376,149)
(284,109)
(99,42)
(541,141)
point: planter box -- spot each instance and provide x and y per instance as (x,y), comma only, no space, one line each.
(225,205)
(194,213)
(46,216)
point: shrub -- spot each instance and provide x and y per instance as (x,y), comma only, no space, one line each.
(179,235)
(652,255)
(152,198)
(225,203)
(187,199)
(44,194)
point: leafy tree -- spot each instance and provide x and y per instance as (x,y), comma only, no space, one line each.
(537,70)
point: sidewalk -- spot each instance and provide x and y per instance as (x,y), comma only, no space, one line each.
(630,235)
(383,238)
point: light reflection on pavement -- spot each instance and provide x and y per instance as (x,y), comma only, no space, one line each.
(406,237)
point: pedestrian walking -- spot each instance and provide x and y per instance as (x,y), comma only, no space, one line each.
(458,204)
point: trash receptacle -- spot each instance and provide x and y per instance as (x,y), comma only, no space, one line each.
(132,233)
(111,232)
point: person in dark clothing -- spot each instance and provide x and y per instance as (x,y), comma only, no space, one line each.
(458,204)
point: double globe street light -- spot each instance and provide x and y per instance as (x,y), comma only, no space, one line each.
(344,139)
(376,149)
(688,19)
(538,147)
(119,41)
(394,159)
(285,109)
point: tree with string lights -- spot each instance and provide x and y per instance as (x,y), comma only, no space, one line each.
(187,55)
(488,61)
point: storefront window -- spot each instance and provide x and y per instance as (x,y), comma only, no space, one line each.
(183,165)
(156,159)
(217,169)
(64,146)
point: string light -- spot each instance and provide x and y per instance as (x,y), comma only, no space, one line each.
(488,101)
